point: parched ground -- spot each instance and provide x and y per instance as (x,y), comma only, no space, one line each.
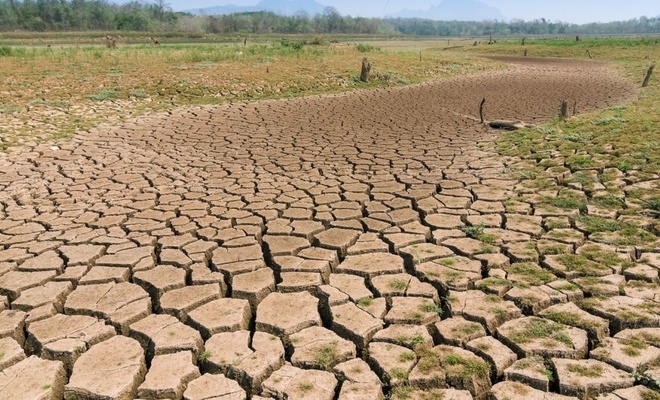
(348,246)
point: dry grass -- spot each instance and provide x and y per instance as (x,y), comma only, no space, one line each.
(53,92)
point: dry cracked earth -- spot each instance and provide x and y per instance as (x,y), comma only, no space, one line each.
(358,246)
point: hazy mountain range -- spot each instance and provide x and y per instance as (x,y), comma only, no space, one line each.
(455,10)
(447,10)
(283,7)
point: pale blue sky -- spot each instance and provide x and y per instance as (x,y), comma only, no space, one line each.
(576,11)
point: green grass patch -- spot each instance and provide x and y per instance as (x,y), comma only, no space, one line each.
(530,273)
(103,95)
(467,367)
(538,328)
(326,355)
(593,371)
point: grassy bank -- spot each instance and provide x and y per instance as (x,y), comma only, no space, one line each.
(612,156)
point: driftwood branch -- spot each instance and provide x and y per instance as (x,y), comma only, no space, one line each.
(481,110)
(509,125)
(648,75)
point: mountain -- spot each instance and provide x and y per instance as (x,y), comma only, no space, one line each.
(455,10)
(283,7)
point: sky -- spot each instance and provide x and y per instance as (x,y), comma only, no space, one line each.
(575,11)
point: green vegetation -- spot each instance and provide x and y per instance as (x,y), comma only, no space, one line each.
(411,342)
(203,357)
(582,265)
(405,357)
(633,346)
(492,283)
(593,224)
(467,367)
(570,319)
(592,371)
(537,364)
(529,273)
(430,308)
(366,302)
(306,387)
(447,262)
(605,257)
(326,355)
(398,285)
(477,232)
(467,329)
(398,374)
(537,328)
(650,395)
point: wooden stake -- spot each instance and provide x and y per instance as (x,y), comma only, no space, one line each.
(648,75)
(575,108)
(481,110)
(420,56)
(523,41)
(366,69)
(525,52)
(563,113)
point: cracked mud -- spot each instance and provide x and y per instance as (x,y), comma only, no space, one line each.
(349,246)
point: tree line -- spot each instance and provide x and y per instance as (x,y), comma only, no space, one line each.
(81,15)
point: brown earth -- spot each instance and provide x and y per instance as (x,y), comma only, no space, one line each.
(299,208)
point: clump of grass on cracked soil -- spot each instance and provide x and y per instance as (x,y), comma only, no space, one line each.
(466,367)
(530,273)
(398,284)
(592,371)
(633,346)
(541,329)
(477,232)
(570,319)
(326,355)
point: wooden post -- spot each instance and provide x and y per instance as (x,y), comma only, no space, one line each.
(481,110)
(589,53)
(525,52)
(245,41)
(563,113)
(648,75)
(490,41)
(366,69)
(420,56)
(575,107)
(523,41)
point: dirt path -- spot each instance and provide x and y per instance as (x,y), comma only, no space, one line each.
(271,243)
